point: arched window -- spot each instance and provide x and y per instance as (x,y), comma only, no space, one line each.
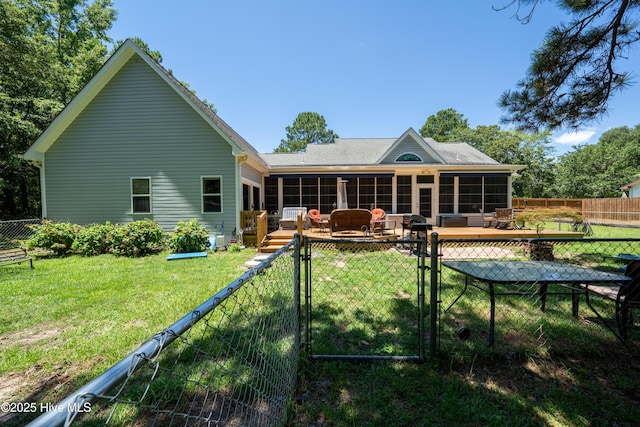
(408,157)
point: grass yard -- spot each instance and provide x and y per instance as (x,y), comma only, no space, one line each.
(570,372)
(68,320)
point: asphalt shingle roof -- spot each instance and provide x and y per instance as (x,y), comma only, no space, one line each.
(370,151)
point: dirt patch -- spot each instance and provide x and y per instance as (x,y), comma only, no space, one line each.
(30,336)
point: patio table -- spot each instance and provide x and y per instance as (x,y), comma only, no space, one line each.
(542,273)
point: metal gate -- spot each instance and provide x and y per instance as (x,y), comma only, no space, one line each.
(365,299)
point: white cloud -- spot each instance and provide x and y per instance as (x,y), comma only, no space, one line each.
(575,138)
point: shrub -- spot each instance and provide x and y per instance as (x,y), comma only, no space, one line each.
(93,240)
(189,236)
(136,238)
(234,247)
(55,236)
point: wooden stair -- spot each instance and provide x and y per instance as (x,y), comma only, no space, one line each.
(274,242)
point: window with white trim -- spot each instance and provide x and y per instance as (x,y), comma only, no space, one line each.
(141,195)
(212,194)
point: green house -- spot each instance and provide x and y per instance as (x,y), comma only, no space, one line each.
(135,143)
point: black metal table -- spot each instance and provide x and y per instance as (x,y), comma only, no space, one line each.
(542,273)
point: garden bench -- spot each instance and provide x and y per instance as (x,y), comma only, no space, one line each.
(14,256)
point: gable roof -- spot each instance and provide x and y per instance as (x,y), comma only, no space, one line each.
(373,151)
(110,68)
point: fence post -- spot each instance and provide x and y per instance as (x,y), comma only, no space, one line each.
(433,300)
(422,266)
(307,297)
(297,257)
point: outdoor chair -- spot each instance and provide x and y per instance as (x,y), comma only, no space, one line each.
(289,220)
(504,218)
(626,298)
(377,215)
(316,217)
(488,219)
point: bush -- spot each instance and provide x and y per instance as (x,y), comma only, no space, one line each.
(189,236)
(136,238)
(234,247)
(93,240)
(55,236)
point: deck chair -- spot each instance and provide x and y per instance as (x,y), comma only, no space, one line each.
(377,215)
(315,217)
(504,218)
(626,298)
(289,220)
(488,219)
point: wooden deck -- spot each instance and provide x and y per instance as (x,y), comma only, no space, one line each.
(280,237)
(443,233)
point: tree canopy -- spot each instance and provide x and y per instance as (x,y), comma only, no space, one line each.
(599,170)
(506,146)
(307,128)
(577,69)
(442,124)
(48,51)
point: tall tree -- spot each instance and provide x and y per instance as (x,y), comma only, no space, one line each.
(599,170)
(576,71)
(48,51)
(442,124)
(307,128)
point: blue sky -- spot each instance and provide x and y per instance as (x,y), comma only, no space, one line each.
(371,68)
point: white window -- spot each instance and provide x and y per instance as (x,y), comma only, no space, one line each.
(212,194)
(141,195)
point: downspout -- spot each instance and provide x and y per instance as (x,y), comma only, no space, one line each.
(241,158)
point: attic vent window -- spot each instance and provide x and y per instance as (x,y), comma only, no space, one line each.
(408,157)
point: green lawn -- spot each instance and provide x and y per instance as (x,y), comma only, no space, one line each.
(601,231)
(549,369)
(69,319)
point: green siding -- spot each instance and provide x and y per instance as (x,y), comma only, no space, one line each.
(138,126)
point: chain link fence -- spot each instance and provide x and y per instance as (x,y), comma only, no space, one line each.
(231,361)
(13,231)
(365,299)
(521,294)
(234,359)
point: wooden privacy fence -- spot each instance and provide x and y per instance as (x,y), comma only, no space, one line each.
(617,211)
(612,211)
(526,203)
